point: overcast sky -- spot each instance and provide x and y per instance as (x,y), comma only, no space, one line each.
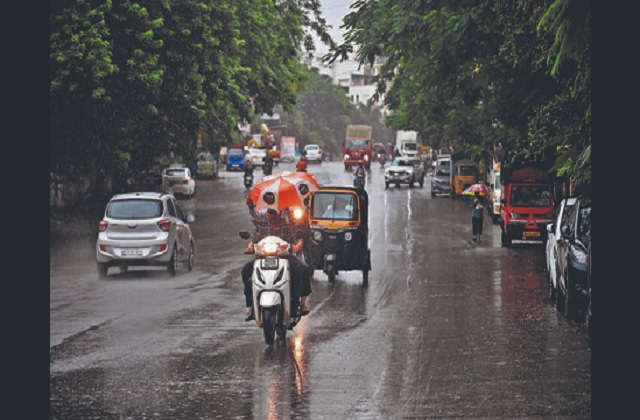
(334,11)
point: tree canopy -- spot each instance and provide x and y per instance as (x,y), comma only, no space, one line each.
(484,75)
(133,81)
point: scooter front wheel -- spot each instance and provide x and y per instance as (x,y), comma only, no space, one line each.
(269,320)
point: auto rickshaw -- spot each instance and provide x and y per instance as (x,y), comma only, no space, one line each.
(339,231)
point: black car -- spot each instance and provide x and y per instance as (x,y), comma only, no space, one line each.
(571,261)
(588,320)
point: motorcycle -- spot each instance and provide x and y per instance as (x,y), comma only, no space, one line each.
(267,168)
(248,180)
(383,160)
(359,180)
(272,288)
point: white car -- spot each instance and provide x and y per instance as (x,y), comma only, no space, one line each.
(178,180)
(313,153)
(553,232)
(144,229)
(256,156)
(404,170)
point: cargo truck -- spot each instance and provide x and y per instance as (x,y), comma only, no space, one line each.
(526,204)
(358,146)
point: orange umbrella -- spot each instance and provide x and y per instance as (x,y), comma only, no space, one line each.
(283,190)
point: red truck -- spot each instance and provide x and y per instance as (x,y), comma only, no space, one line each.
(358,146)
(526,205)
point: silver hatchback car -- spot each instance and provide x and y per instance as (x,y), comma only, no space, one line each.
(144,229)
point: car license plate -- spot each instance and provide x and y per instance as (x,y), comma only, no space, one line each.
(131,253)
(269,263)
(531,234)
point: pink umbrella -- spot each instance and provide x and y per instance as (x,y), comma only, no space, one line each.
(476,188)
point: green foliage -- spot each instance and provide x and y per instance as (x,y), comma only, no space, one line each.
(487,76)
(133,81)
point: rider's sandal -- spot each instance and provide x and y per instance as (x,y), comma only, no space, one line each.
(250,316)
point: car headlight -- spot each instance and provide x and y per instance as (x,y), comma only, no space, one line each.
(348,236)
(317,235)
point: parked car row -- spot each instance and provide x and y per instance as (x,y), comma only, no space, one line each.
(568,259)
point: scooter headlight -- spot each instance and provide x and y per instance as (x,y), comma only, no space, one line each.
(298,213)
(270,248)
(348,236)
(317,235)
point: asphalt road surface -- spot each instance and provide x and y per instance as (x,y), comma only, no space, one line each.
(446,328)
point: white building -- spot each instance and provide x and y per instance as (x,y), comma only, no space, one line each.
(357,82)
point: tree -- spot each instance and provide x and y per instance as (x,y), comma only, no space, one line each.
(133,81)
(483,74)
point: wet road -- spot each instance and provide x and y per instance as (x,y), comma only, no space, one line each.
(446,328)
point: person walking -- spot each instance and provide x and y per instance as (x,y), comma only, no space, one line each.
(477,217)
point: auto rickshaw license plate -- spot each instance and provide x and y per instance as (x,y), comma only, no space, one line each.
(269,263)
(531,234)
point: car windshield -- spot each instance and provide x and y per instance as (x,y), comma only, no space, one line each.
(443,172)
(134,209)
(235,152)
(584,221)
(410,146)
(531,196)
(467,170)
(334,206)
(356,144)
(408,163)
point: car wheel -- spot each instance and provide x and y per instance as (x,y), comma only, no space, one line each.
(433,194)
(191,259)
(422,182)
(551,290)
(103,270)
(570,304)
(386,185)
(559,295)
(172,265)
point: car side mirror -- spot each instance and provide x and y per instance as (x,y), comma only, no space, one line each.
(190,218)
(550,228)
(565,231)
(244,234)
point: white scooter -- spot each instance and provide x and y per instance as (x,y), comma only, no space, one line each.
(271,284)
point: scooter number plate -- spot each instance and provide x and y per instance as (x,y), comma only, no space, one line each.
(269,263)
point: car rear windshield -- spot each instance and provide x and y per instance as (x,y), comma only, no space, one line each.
(176,172)
(134,209)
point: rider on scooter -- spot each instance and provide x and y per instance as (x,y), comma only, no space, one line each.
(302,163)
(269,222)
(359,170)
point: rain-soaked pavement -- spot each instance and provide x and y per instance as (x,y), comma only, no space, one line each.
(446,328)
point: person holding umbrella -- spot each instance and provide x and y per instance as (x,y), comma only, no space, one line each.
(477,217)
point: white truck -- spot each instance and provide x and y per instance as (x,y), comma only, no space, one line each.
(407,143)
